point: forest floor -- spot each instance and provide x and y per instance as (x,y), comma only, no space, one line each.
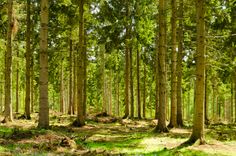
(123,137)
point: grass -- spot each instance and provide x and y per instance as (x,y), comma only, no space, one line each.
(130,137)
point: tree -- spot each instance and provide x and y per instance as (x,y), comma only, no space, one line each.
(28,62)
(161,126)
(43,75)
(127,60)
(173,119)
(179,66)
(8,65)
(137,8)
(70,109)
(80,121)
(17,82)
(198,123)
(138,87)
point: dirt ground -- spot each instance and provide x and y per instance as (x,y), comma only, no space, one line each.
(100,137)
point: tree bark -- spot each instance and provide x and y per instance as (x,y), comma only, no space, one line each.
(138,84)
(17,81)
(32,67)
(110,93)
(28,61)
(32,84)
(70,74)
(157,79)
(80,121)
(198,123)
(43,75)
(214,99)
(144,87)
(85,74)
(103,61)
(206,101)
(1,98)
(62,102)
(127,62)
(74,83)
(173,118)
(235,95)
(131,81)
(179,67)
(8,66)
(233,17)
(161,126)
(117,95)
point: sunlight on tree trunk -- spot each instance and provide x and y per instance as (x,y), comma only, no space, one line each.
(127,62)
(161,126)
(8,66)
(173,119)
(198,123)
(80,121)
(43,75)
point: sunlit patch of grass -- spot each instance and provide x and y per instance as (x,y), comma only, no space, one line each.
(116,143)
(184,152)
(131,143)
(2,149)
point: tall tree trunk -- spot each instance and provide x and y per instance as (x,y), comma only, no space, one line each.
(70,74)
(188,103)
(116,94)
(157,100)
(127,61)
(32,85)
(198,123)
(161,126)
(235,96)
(179,67)
(43,75)
(232,101)
(103,61)
(80,121)
(8,66)
(1,98)
(206,99)
(17,81)
(218,109)
(62,101)
(131,82)
(32,68)
(28,61)
(214,99)
(233,17)
(144,87)
(138,84)
(74,83)
(85,74)
(173,117)
(117,88)
(110,93)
